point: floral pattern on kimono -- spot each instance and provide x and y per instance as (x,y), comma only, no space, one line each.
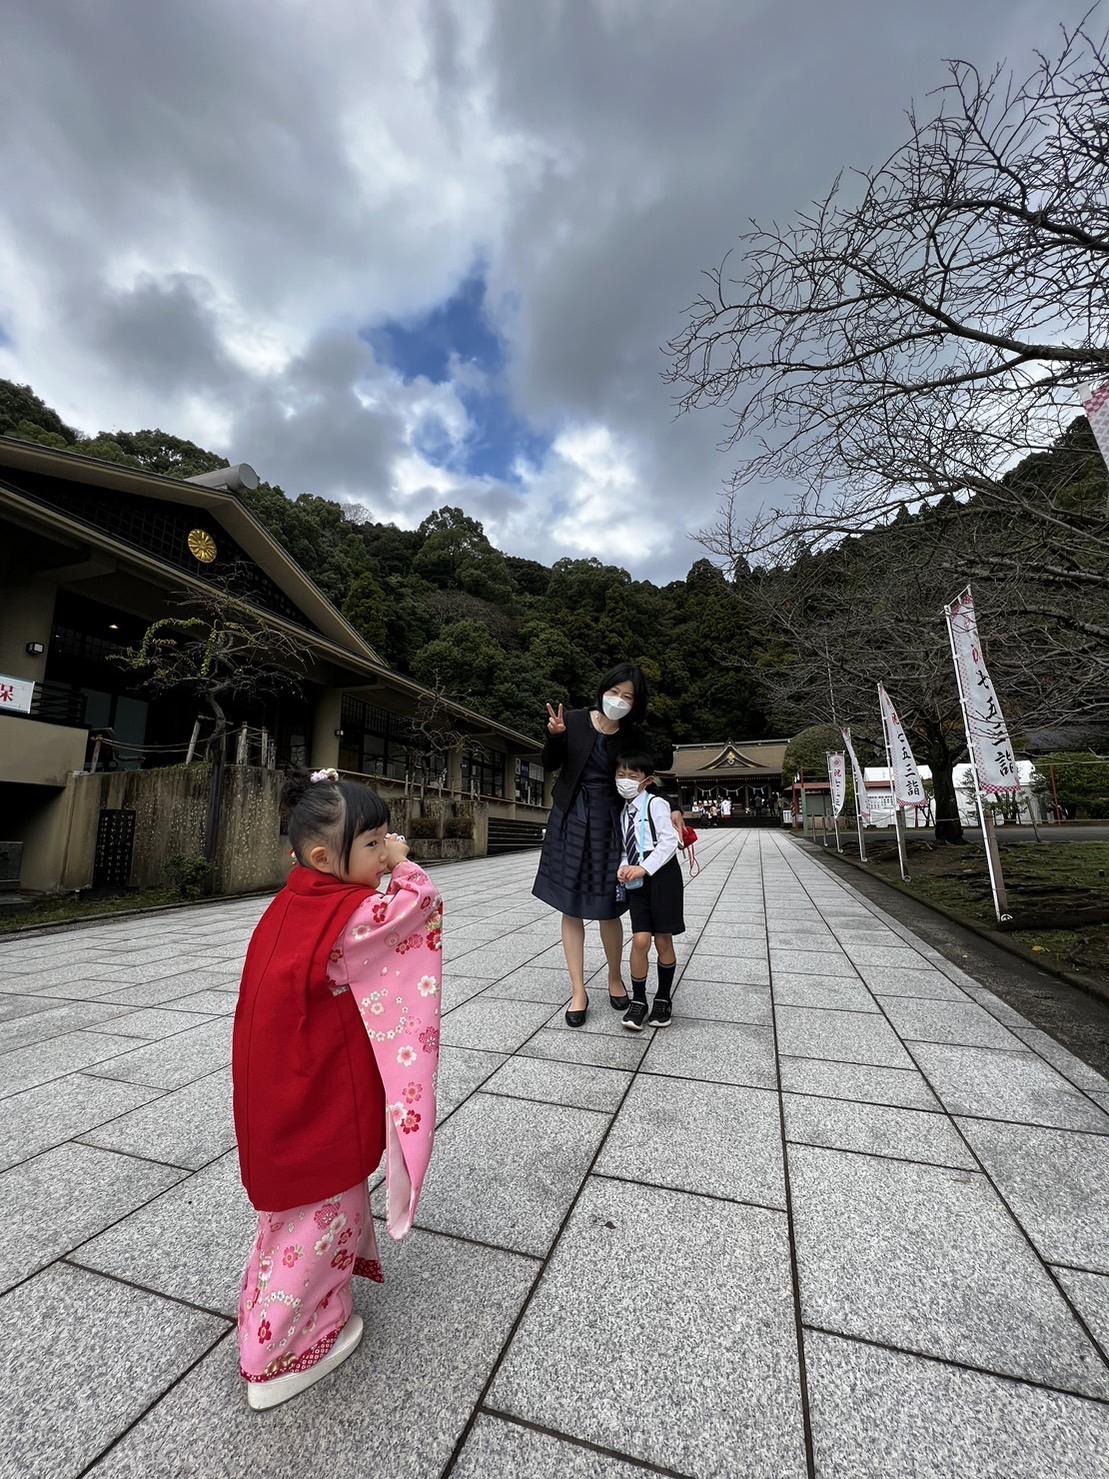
(390,958)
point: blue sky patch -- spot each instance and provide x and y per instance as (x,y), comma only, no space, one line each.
(459,327)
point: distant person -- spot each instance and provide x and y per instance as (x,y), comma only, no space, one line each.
(726,809)
(652,879)
(334,1057)
(581,849)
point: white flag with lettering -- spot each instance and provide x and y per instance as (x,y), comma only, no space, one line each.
(991,749)
(1096,407)
(862,805)
(837,779)
(908,788)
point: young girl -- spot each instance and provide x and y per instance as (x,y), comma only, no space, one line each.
(335,1051)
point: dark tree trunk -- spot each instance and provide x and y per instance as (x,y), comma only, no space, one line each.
(948,826)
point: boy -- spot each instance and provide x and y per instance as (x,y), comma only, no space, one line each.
(652,876)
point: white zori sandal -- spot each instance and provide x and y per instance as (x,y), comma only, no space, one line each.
(261,1394)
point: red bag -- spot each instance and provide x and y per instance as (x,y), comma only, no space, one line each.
(689,839)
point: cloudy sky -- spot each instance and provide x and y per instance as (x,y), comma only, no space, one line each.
(418,253)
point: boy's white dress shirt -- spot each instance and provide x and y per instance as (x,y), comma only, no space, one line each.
(655,854)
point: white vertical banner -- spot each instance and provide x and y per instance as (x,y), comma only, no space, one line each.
(862,804)
(991,750)
(1096,407)
(837,779)
(908,788)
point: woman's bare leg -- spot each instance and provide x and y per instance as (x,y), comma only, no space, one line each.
(612,938)
(573,947)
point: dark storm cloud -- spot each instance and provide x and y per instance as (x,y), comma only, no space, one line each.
(204,204)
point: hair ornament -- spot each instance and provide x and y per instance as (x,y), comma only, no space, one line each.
(323,775)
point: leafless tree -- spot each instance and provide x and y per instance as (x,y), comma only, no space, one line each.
(925,326)
(872,609)
(220,649)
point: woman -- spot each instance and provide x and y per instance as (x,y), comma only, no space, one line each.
(582,846)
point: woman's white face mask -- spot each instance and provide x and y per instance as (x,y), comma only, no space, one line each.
(614,706)
(628,787)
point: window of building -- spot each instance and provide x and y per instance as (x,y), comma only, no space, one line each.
(378,742)
(529,782)
(483,772)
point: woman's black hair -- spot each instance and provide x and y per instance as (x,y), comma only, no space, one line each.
(333,813)
(626,672)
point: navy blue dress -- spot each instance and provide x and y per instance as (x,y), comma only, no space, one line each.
(582,851)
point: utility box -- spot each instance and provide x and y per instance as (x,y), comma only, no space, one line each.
(11,861)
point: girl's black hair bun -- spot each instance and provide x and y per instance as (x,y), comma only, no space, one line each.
(296,785)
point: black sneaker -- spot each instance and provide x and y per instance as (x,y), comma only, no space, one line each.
(661,1009)
(635,1016)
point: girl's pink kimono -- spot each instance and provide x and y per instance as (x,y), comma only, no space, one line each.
(335,1059)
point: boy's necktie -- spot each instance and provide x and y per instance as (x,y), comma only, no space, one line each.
(629,840)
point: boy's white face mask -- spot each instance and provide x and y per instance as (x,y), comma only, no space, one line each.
(614,706)
(627,787)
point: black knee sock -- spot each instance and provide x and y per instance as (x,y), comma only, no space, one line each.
(665,979)
(639,989)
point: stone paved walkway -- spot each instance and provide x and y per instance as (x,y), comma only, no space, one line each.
(849,1215)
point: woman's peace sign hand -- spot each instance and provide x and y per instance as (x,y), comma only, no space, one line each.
(556,723)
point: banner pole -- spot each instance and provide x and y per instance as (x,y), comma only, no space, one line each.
(862,839)
(898,818)
(989,837)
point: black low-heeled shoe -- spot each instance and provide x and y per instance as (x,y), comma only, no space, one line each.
(575,1019)
(619,1003)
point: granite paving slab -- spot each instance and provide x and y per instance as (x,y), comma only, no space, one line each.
(580,1047)
(40,1118)
(152,1023)
(878,1414)
(64,1196)
(207,1003)
(577,1084)
(718,1052)
(851,1037)
(1089,1293)
(396,1408)
(177,1060)
(189,1243)
(461,1071)
(123,1347)
(188,1127)
(909,1134)
(536,983)
(715,1139)
(493,1023)
(993,1084)
(693,1364)
(903,1087)
(38,1063)
(173,988)
(929,1260)
(13,1007)
(961,1022)
(714,1001)
(811,963)
(500,1449)
(737,947)
(836,992)
(733,970)
(1056,1182)
(61,1019)
(895,980)
(1067,1063)
(494,1178)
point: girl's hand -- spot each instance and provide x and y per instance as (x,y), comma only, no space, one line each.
(556,723)
(396,851)
(629,875)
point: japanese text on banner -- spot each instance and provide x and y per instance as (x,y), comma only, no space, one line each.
(908,788)
(987,733)
(837,779)
(862,805)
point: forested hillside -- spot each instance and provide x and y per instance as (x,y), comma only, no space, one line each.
(502,633)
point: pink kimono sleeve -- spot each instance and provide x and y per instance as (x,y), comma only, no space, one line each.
(392,952)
